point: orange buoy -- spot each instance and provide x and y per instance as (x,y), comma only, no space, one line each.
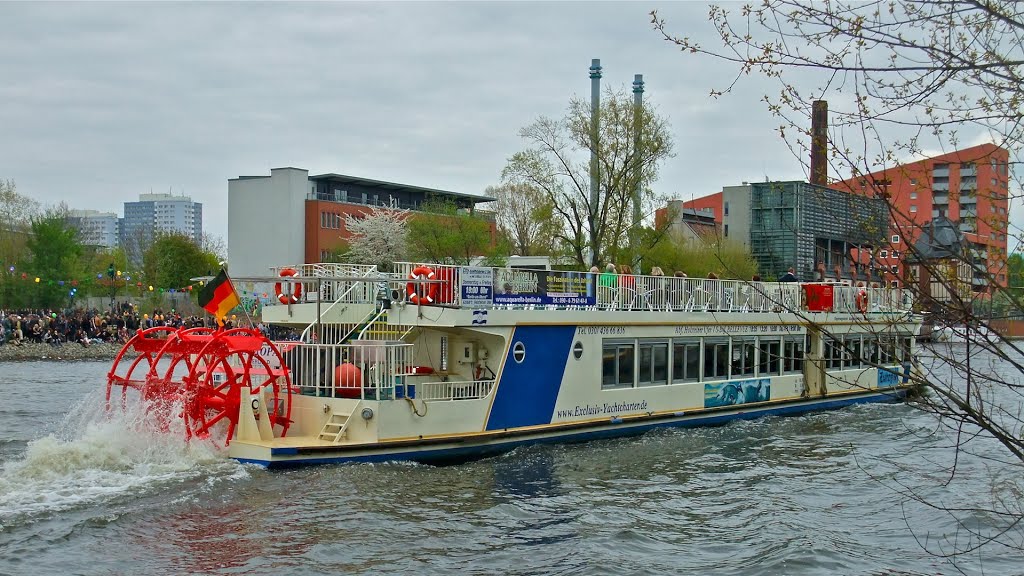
(348,380)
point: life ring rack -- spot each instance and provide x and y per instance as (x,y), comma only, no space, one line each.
(295,295)
(412,289)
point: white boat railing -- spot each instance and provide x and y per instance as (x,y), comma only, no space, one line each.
(364,369)
(317,285)
(452,390)
(662,293)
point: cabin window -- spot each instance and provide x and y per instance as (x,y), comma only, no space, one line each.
(743,358)
(886,351)
(685,361)
(854,356)
(618,361)
(653,364)
(793,355)
(833,354)
(768,357)
(716,360)
(871,350)
(906,346)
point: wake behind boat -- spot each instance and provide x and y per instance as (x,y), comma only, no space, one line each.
(440,363)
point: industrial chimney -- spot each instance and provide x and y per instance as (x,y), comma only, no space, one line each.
(819,143)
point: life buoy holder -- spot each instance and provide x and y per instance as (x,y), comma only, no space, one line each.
(288,297)
(862,301)
(421,273)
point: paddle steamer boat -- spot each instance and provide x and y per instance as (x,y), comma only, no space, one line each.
(440,363)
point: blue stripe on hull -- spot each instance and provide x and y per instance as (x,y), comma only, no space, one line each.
(527,391)
(464,453)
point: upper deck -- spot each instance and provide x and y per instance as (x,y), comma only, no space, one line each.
(465,295)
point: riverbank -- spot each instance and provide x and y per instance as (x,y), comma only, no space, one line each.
(71,352)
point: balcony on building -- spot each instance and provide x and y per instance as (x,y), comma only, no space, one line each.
(940,171)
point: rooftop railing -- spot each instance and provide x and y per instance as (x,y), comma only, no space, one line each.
(460,286)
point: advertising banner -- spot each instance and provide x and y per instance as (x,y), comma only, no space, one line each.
(541,287)
(476,287)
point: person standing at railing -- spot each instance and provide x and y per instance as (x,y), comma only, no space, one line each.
(607,286)
(789,276)
(627,286)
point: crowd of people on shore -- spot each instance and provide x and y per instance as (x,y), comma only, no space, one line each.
(85,326)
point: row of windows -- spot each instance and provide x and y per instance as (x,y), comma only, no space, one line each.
(860,351)
(331,220)
(642,362)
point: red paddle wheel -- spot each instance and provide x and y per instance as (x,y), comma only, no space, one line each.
(197,375)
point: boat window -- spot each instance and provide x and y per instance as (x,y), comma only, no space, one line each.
(716,360)
(618,361)
(905,349)
(854,356)
(871,350)
(768,356)
(685,361)
(793,355)
(653,364)
(742,358)
(886,350)
(834,354)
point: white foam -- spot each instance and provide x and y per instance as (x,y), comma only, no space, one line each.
(95,457)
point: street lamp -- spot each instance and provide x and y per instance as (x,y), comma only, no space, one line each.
(113,287)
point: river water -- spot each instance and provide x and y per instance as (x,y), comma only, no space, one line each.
(817,494)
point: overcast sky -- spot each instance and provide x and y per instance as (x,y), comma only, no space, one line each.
(102,102)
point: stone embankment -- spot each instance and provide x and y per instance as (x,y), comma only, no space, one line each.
(67,352)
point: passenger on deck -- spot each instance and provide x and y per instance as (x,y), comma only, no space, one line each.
(789,276)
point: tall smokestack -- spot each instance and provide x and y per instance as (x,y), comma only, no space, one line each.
(595,126)
(819,143)
(638,106)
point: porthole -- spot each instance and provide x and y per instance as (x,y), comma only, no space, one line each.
(519,352)
(577,350)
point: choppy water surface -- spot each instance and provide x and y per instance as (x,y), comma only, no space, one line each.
(807,495)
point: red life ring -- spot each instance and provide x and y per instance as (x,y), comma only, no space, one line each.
(296,293)
(862,301)
(422,273)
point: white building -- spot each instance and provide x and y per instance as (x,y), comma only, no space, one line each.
(96,228)
(155,213)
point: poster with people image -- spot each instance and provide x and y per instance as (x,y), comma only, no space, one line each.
(717,394)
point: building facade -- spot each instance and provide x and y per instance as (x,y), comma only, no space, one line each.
(158,213)
(969,187)
(96,228)
(820,232)
(290,217)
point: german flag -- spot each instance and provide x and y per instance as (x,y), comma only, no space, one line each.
(218,297)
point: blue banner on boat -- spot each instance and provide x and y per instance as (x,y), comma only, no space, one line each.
(544,287)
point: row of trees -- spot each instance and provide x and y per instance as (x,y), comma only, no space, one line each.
(46,265)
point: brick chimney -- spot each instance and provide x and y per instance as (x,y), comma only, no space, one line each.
(819,143)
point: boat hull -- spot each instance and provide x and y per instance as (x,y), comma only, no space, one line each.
(470,447)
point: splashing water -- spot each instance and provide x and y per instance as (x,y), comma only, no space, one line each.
(95,457)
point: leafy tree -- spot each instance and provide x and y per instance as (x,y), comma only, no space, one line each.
(378,237)
(1015,274)
(557,165)
(727,259)
(525,218)
(443,233)
(173,259)
(54,249)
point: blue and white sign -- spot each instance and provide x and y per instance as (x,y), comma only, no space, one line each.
(476,286)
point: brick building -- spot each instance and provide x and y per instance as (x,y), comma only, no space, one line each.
(969,187)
